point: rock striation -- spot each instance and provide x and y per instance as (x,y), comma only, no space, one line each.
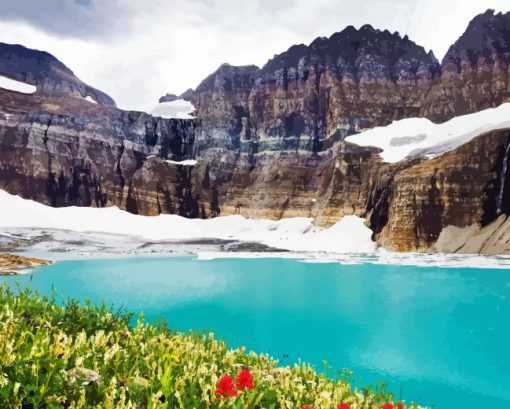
(269,142)
(475,72)
(311,96)
(304,97)
(418,201)
(221,103)
(66,151)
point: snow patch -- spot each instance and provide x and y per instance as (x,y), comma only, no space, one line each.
(421,137)
(186,162)
(178,109)
(90,99)
(295,234)
(18,86)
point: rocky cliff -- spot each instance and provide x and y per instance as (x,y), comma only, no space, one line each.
(336,86)
(408,205)
(311,96)
(269,143)
(67,151)
(416,201)
(221,101)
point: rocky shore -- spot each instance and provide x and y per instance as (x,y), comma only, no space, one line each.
(11,264)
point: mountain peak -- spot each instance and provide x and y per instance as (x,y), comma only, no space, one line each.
(230,77)
(50,75)
(486,34)
(350,46)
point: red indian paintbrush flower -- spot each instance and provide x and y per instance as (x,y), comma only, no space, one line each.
(400,405)
(307,407)
(387,406)
(344,406)
(226,387)
(244,380)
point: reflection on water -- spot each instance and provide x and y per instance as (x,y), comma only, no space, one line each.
(437,335)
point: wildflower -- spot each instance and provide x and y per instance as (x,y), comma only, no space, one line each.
(79,362)
(387,406)
(344,406)
(57,350)
(88,375)
(226,387)
(400,405)
(307,407)
(244,380)
(174,358)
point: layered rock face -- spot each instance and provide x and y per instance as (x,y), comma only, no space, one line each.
(465,188)
(475,72)
(311,96)
(269,142)
(49,75)
(355,79)
(84,154)
(221,101)
(409,205)
(272,185)
(68,151)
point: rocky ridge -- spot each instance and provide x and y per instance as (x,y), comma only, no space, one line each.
(311,96)
(336,86)
(269,142)
(475,72)
(48,74)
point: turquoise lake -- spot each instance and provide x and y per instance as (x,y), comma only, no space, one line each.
(437,336)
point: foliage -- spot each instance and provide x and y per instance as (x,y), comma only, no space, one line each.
(83,356)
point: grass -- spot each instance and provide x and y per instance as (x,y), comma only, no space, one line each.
(82,356)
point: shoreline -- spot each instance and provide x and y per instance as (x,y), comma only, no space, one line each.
(15,264)
(66,245)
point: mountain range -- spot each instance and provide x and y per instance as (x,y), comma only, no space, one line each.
(274,142)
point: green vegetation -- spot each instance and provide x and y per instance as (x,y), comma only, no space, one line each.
(82,356)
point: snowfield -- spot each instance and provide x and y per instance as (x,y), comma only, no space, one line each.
(296,234)
(78,232)
(421,137)
(18,86)
(178,109)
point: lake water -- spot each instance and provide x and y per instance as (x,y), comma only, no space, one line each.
(438,336)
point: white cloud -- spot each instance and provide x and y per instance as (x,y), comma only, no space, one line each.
(161,46)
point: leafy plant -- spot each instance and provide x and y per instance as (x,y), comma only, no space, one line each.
(85,356)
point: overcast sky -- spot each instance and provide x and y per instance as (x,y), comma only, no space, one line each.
(138,50)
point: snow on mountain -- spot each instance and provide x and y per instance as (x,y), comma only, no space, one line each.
(186,162)
(18,86)
(350,235)
(179,109)
(421,137)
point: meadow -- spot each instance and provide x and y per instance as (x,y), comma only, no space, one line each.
(72,355)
